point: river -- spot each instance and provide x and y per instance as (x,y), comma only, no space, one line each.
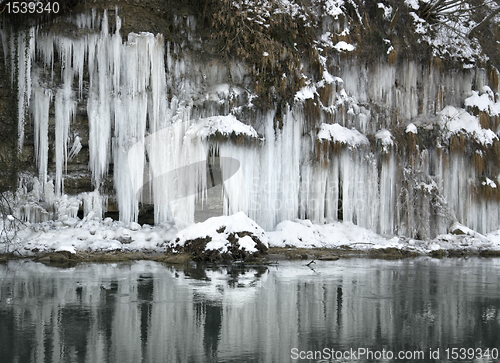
(351,310)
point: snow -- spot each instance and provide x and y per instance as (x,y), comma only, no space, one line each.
(333,8)
(484,102)
(248,244)
(449,35)
(343,135)
(93,236)
(219,228)
(458,120)
(411,128)
(489,183)
(221,125)
(305,93)
(412,4)
(304,234)
(419,24)
(65,248)
(387,10)
(329,79)
(326,40)
(75,235)
(385,137)
(343,46)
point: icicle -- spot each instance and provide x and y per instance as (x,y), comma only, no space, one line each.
(99,111)
(130,127)
(131,109)
(65,108)
(49,196)
(158,84)
(93,204)
(387,195)
(177,170)
(13,55)
(45,50)
(76,148)
(67,207)
(25,50)
(79,50)
(5,46)
(41,105)
(267,185)
(133,121)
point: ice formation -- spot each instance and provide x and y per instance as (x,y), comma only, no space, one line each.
(343,163)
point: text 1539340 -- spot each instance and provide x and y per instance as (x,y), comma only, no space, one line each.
(31,7)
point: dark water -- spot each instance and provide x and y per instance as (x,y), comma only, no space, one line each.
(148,312)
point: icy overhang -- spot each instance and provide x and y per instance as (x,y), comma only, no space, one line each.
(343,135)
(225,126)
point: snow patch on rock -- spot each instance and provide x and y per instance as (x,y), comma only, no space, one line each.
(227,237)
(457,120)
(343,135)
(221,125)
(343,46)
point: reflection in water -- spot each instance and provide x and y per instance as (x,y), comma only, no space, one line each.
(148,312)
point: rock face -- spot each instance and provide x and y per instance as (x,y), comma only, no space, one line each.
(118,109)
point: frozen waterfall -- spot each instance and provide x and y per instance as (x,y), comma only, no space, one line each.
(147,104)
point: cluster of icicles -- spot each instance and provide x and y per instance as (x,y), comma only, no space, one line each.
(144,133)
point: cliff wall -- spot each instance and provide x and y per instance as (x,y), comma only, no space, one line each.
(331,111)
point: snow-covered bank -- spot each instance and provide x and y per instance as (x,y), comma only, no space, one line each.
(237,236)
